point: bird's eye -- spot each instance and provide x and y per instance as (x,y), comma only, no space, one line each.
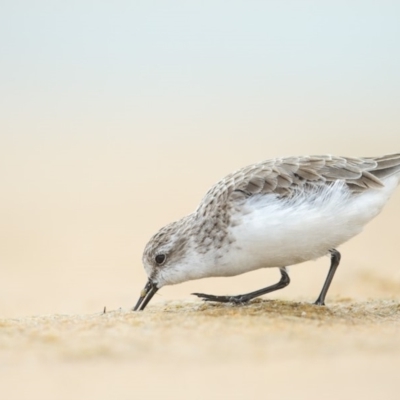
(160,258)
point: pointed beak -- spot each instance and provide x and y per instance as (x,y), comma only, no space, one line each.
(145,296)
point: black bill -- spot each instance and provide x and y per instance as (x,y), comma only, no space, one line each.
(145,296)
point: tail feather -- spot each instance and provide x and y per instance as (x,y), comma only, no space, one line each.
(392,160)
(386,166)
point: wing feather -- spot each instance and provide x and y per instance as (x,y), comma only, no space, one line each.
(286,176)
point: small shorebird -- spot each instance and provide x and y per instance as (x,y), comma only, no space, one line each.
(274,213)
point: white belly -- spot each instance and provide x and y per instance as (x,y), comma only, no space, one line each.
(270,234)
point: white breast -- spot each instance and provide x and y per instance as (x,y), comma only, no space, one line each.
(272,233)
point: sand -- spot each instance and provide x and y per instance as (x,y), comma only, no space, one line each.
(189,349)
(57,344)
(116,118)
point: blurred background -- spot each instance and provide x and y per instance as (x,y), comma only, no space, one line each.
(116,118)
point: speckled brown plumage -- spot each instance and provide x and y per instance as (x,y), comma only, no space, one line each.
(271,214)
(284,177)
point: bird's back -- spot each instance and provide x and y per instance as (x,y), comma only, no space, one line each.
(327,200)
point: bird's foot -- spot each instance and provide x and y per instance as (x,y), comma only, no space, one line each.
(240,299)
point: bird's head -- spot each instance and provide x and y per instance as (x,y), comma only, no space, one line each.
(170,257)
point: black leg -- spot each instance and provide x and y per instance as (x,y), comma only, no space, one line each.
(335,260)
(243,298)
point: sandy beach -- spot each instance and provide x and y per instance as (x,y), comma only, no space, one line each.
(182,349)
(56,342)
(116,119)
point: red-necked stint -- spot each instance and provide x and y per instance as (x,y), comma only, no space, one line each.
(275,213)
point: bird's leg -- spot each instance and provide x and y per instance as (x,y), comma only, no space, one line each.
(335,260)
(243,298)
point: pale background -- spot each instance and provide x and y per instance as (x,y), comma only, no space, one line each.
(116,117)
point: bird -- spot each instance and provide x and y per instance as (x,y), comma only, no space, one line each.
(271,214)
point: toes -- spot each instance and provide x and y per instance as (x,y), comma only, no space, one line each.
(204,296)
(210,297)
(222,299)
(199,294)
(239,300)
